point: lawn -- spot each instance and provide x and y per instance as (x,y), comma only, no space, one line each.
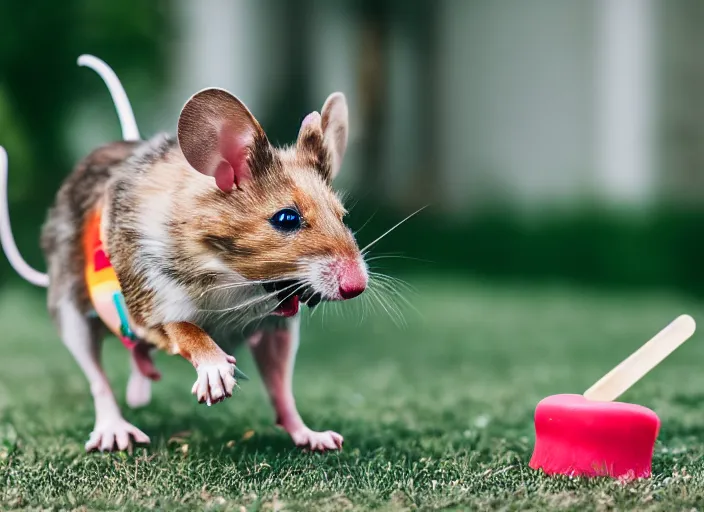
(435,414)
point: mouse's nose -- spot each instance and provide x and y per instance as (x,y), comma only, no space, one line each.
(353,280)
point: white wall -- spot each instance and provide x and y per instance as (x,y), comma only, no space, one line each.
(545,101)
(541,102)
(221,44)
(335,56)
(625,100)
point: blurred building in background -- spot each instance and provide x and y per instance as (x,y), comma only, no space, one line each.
(470,102)
(555,109)
(467,103)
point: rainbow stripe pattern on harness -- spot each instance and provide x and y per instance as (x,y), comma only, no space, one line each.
(103,286)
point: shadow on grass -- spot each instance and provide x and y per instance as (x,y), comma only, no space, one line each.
(260,438)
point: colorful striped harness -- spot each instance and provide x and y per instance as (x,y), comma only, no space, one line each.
(103,286)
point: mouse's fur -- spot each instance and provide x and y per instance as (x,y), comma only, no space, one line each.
(193,257)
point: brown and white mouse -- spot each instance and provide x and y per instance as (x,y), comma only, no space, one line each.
(214,231)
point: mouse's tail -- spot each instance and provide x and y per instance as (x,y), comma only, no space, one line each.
(119,97)
(8,241)
(129,132)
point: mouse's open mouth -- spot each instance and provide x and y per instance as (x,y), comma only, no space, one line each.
(290,294)
(288,306)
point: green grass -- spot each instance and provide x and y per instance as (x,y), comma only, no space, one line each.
(435,415)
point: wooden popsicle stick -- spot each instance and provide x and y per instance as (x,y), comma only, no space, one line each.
(634,367)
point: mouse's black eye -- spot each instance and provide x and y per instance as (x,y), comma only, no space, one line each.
(287,219)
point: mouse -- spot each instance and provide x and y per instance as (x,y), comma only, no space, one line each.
(175,241)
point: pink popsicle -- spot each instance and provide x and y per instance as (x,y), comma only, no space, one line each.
(577,437)
(591,434)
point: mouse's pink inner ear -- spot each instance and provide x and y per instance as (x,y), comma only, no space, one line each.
(216,133)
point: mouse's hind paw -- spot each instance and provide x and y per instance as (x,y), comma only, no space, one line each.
(317,441)
(116,434)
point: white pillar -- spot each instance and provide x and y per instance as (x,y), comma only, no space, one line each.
(228,44)
(514,103)
(334,49)
(625,102)
(404,154)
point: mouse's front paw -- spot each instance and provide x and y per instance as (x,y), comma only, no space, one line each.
(216,380)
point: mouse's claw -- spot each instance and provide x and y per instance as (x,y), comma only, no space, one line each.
(240,375)
(215,382)
(115,434)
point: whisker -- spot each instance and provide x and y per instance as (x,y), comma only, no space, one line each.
(395,293)
(343,199)
(316,309)
(242,284)
(366,222)
(294,292)
(395,256)
(398,289)
(375,295)
(370,245)
(398,318)
(256,300)
(325,312)
(393,281)
(251,302)
(228,286)
(385,290)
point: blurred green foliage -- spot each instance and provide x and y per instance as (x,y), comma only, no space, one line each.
(589,247)
(40,83)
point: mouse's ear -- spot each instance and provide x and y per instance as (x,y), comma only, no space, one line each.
(218,136)
(335,129)
(324,137)
(312,143)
